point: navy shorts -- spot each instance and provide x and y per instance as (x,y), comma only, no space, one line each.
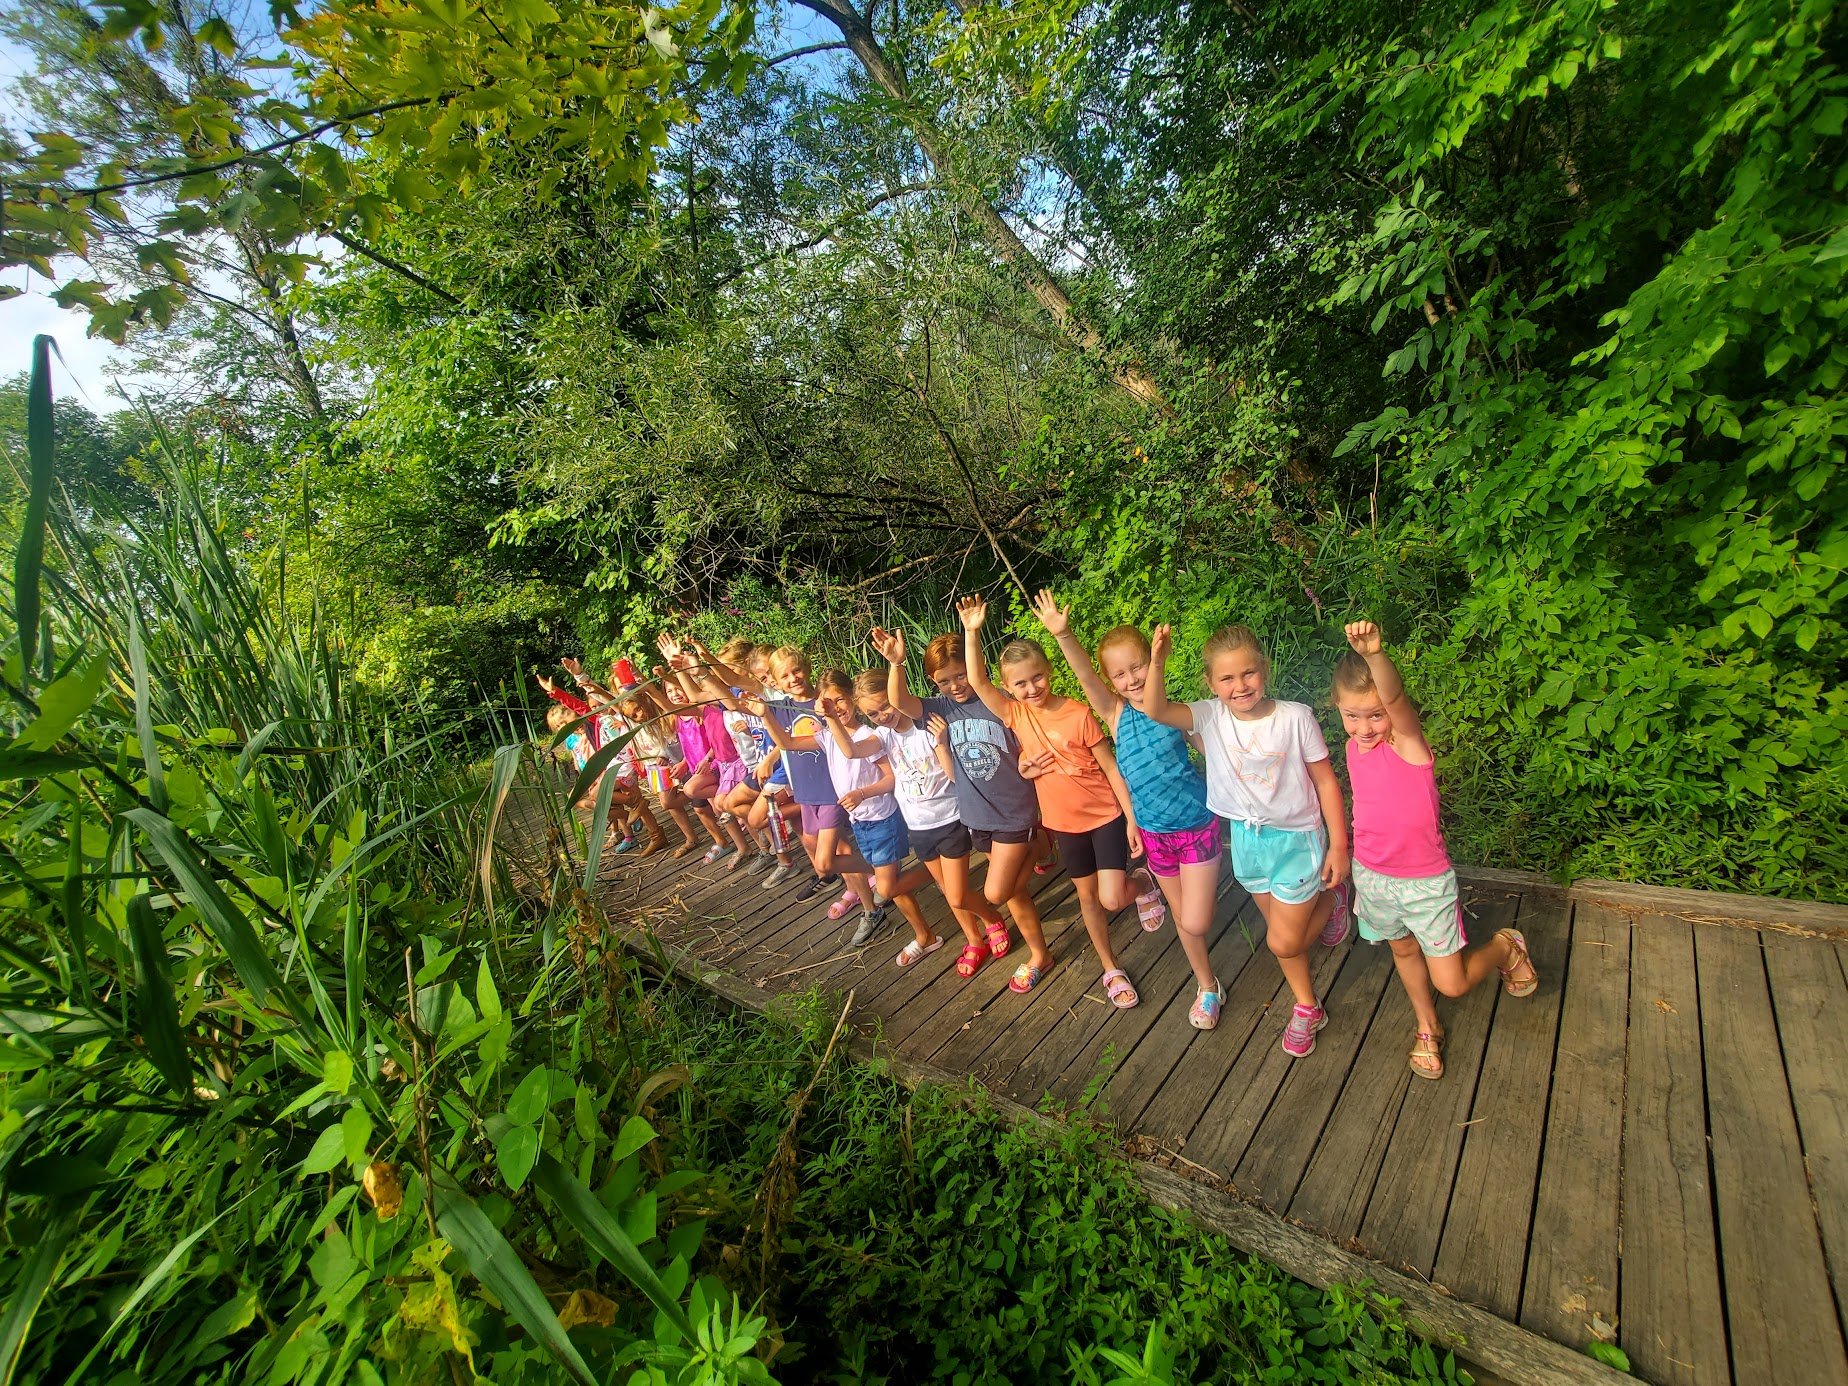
(949,839)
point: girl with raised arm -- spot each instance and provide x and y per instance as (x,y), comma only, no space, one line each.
(925,774)
(722,770)
(1082,797)
(1267,770)
(1179,833)
(993,800)
(1405,889)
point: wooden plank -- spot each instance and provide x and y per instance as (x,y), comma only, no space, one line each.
(1405,1218)
(1230,1121)
(1483,1254)
(1673,1324)
(1779,1309)
(1072,1056)
(1812,1020)
(1808,917)
(1572,1253)
(1170,1042)
(1183,1103)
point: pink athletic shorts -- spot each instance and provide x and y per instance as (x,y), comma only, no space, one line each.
(1169,852)
(731,775)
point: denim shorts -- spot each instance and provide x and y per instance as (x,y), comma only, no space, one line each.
(882,841)
(1283,863)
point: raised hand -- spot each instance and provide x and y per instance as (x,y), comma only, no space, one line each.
(939,729)
(890,644)
(547,684)
(1046,607)
(1161,645)
(1365,638)
(972,611)
(668,646)
(572,667)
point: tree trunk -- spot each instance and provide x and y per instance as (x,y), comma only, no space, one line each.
(1126,371)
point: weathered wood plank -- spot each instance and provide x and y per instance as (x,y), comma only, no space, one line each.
(1483,1254)
(1717,907)
(1779,1310)
(1572,1252)
(1808,991)
(1673,1324)
(1405,1218)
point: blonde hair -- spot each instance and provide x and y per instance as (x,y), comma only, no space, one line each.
(835,681)
(1124,638)
(1023,652)
(736,650)
(789,657)
(1352,675)
(866,684)
(1227,640)
(942,650)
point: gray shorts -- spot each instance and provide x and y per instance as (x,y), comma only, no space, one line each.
(1422,907)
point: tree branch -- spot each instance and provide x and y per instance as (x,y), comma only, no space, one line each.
(384,262)
(795,53)
(892,196)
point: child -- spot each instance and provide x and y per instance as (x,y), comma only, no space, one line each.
(722,770)
(695,761)
(794,724)
(863,775)
(1267,770)
(765,795)
(1405,890)
(925,774)
(1179,832)
(754,747)
(993,799)
(629,808)
(1082,797)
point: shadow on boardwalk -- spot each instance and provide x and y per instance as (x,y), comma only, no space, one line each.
(1653,1149)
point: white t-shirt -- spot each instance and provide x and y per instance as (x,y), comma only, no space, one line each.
(1258,772)
(855,772)
(925,794)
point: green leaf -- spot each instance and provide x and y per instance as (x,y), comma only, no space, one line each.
(515,1153)
(155,1008)
(336,1071)
(21,763)
(1835,249)
(635,1133)
(13,1060)
(595,1225)
(28,1292)
(52,1176)
(226,923)
(1609,1354)
(528,1102)
(144,711)
(29,553)
(356,1136)
(487,998)
(62,703)
(496,1265)
(329,1149)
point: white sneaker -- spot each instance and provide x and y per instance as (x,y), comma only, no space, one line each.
(781,872)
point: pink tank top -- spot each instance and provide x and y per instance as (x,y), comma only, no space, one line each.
(1395,814)
(718,735)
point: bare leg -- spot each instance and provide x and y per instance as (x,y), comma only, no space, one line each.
(1456,974)
(966,920)
(1409,958)
(1009,868)
(1096,920)
(1289,930)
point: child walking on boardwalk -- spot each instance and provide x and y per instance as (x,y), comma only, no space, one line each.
(1177,830)
(865,780)
(993,800)
(924,774)
(1405,889)
(1082,797)
(1267,770)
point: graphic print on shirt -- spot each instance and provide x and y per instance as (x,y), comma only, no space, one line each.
(979,747)
(1253,764)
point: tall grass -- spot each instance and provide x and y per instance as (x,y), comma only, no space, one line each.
(287,1089)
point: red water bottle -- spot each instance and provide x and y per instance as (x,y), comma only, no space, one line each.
(625,673)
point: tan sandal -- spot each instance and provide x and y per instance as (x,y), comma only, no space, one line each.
(1518,958)
(1427,1056)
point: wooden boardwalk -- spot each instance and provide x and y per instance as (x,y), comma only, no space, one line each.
(1653,1149)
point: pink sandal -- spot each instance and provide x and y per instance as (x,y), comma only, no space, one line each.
(1117,986)
(1151,910)
(840,907)
(998,941)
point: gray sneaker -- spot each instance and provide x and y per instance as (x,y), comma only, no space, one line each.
(762,861)
(781,872)
(870,924)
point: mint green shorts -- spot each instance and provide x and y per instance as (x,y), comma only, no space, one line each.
(1283,863)
(1422,907)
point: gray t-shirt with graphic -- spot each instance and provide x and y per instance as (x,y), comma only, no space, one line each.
(991,795)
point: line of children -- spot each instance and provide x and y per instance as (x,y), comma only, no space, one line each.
(978,767)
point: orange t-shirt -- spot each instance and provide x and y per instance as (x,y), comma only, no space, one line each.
(1074,796)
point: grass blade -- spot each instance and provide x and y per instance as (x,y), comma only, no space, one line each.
(156,1009)
(27,1295)
(595,1225)
(506,765)
(496,1265)
(599,826)
(29,557)
(144,712)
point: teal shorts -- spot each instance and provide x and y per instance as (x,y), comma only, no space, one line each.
(1422,907)
(1283,863)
